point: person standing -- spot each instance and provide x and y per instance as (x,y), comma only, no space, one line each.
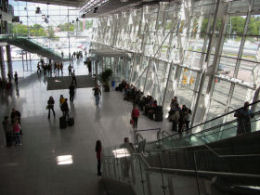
(72,92)
(15,114)
(38,68)
(243,116)
(16,78)
(97,94)
(16,130)
(69,69)
(65,108)
(98,155)
(62,100)
(89,66)
(50,106)
(7,131)
(175,117)
(135,114)
(61,68)
(9,77)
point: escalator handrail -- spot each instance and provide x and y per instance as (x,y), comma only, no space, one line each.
(191,171)
(208,129)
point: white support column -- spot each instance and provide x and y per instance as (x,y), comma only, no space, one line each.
(167,84)
(9,60)
(2,64)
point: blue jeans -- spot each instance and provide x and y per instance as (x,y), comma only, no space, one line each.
(97,99)
(17,138)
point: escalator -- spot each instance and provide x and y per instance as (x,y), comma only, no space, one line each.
(31,46)
(212,161)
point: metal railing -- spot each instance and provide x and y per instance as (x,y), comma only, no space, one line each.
(208,134)
(158,163)
(136,171)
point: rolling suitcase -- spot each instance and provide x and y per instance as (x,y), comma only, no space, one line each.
(9,139)
(158,114)
(63,123)
(71,121)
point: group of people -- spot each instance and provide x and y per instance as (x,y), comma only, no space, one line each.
(63,106)
(180,116)
(148,104)
(7,84)
(77,54)
(12,128)
(48,68)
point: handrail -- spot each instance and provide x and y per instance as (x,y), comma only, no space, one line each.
(153,129)
(162,133)
(225,155)
(214,152)
(138,135)
(233,111)
(214,127)
(201,172)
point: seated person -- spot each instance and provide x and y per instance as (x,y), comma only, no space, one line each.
(152,109)
(148,104)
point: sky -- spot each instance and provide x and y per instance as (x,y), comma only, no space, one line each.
(57,14)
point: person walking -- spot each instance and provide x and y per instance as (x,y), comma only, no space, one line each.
(243,116)
(73,78)
(50,106)
(17,133)
(98,155)
(16,78)
(135,114)
(97,94)
(72,92)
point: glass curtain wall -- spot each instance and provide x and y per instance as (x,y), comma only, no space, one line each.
(56,27)
(204,52)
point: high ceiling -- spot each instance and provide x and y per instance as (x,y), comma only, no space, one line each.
(71,3)
(95,8)
(113,6)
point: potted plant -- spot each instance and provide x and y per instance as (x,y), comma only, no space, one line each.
(104,77)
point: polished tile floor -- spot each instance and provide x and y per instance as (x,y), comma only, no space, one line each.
(33,169)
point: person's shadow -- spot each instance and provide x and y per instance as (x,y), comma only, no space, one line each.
(17,91)
(72,108)
(97,115)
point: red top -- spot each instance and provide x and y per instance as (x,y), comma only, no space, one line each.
(99,154)
(16,128)
(135,112)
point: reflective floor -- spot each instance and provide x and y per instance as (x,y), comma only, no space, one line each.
(39,165)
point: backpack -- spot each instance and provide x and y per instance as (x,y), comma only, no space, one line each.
(175,116)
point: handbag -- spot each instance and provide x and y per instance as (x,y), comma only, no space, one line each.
(131,121)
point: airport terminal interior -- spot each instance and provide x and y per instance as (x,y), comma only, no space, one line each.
(160,97)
